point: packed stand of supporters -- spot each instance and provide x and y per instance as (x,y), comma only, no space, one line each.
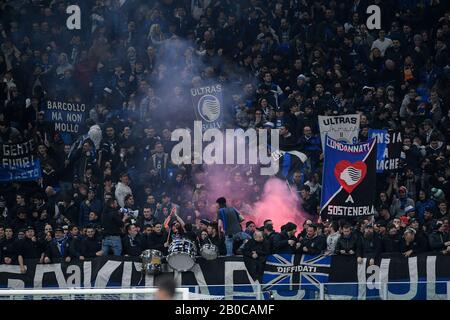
(112,189)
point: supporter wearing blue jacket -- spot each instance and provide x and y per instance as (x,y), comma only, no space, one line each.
(310,144)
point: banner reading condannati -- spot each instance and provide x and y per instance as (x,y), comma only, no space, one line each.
(409,278)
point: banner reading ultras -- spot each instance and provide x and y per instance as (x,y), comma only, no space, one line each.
(349,176)
(67,116)
(344,128)
(208,106)
(19,162)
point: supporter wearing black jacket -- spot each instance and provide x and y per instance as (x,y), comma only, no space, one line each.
(132,243)
(421,237)
(255,252)
(21,221)
(146,218)
(29,248)
(439,240)
(20,205)
(111,220)
(8,247)
(391,241)
(285,241)
(158,239)
(269,235)
(428,221)
(112,229)
(216,239)
(68,209)
(370,245)
(312,243)
(309,202)
(409,245)
(58,248)
(348,243)
(74,240)
(91,246)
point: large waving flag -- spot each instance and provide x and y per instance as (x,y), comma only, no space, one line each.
(349,176)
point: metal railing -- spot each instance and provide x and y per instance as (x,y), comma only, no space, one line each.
(438,290)
(326,291)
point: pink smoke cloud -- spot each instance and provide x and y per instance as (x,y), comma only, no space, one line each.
(276,202)
(279,204)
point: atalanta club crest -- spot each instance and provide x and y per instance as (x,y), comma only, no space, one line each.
(350,175)
(350,192)
(209,108)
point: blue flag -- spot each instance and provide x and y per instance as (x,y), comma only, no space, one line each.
(389,149)
(380,136)
(348,179)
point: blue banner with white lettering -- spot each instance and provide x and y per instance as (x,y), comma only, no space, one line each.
(66,116)
(19,162)
(349,176)
(379,135)
(389,148)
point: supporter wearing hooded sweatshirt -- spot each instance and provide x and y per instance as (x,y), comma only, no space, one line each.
(123,189)
(399,204)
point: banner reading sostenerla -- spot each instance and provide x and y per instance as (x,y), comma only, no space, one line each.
(208,106)
(19,162)
(349,176)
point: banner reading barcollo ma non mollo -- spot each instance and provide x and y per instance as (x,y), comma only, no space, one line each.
(343,128)
(349,176)
(19,162)
(66,116)
(208,106)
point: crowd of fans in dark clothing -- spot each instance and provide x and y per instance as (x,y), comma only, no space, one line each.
(112,188)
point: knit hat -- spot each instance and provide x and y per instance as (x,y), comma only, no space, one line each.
(409,209)
(410,230)
(437,194)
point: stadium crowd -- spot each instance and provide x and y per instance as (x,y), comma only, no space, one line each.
(112,189)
